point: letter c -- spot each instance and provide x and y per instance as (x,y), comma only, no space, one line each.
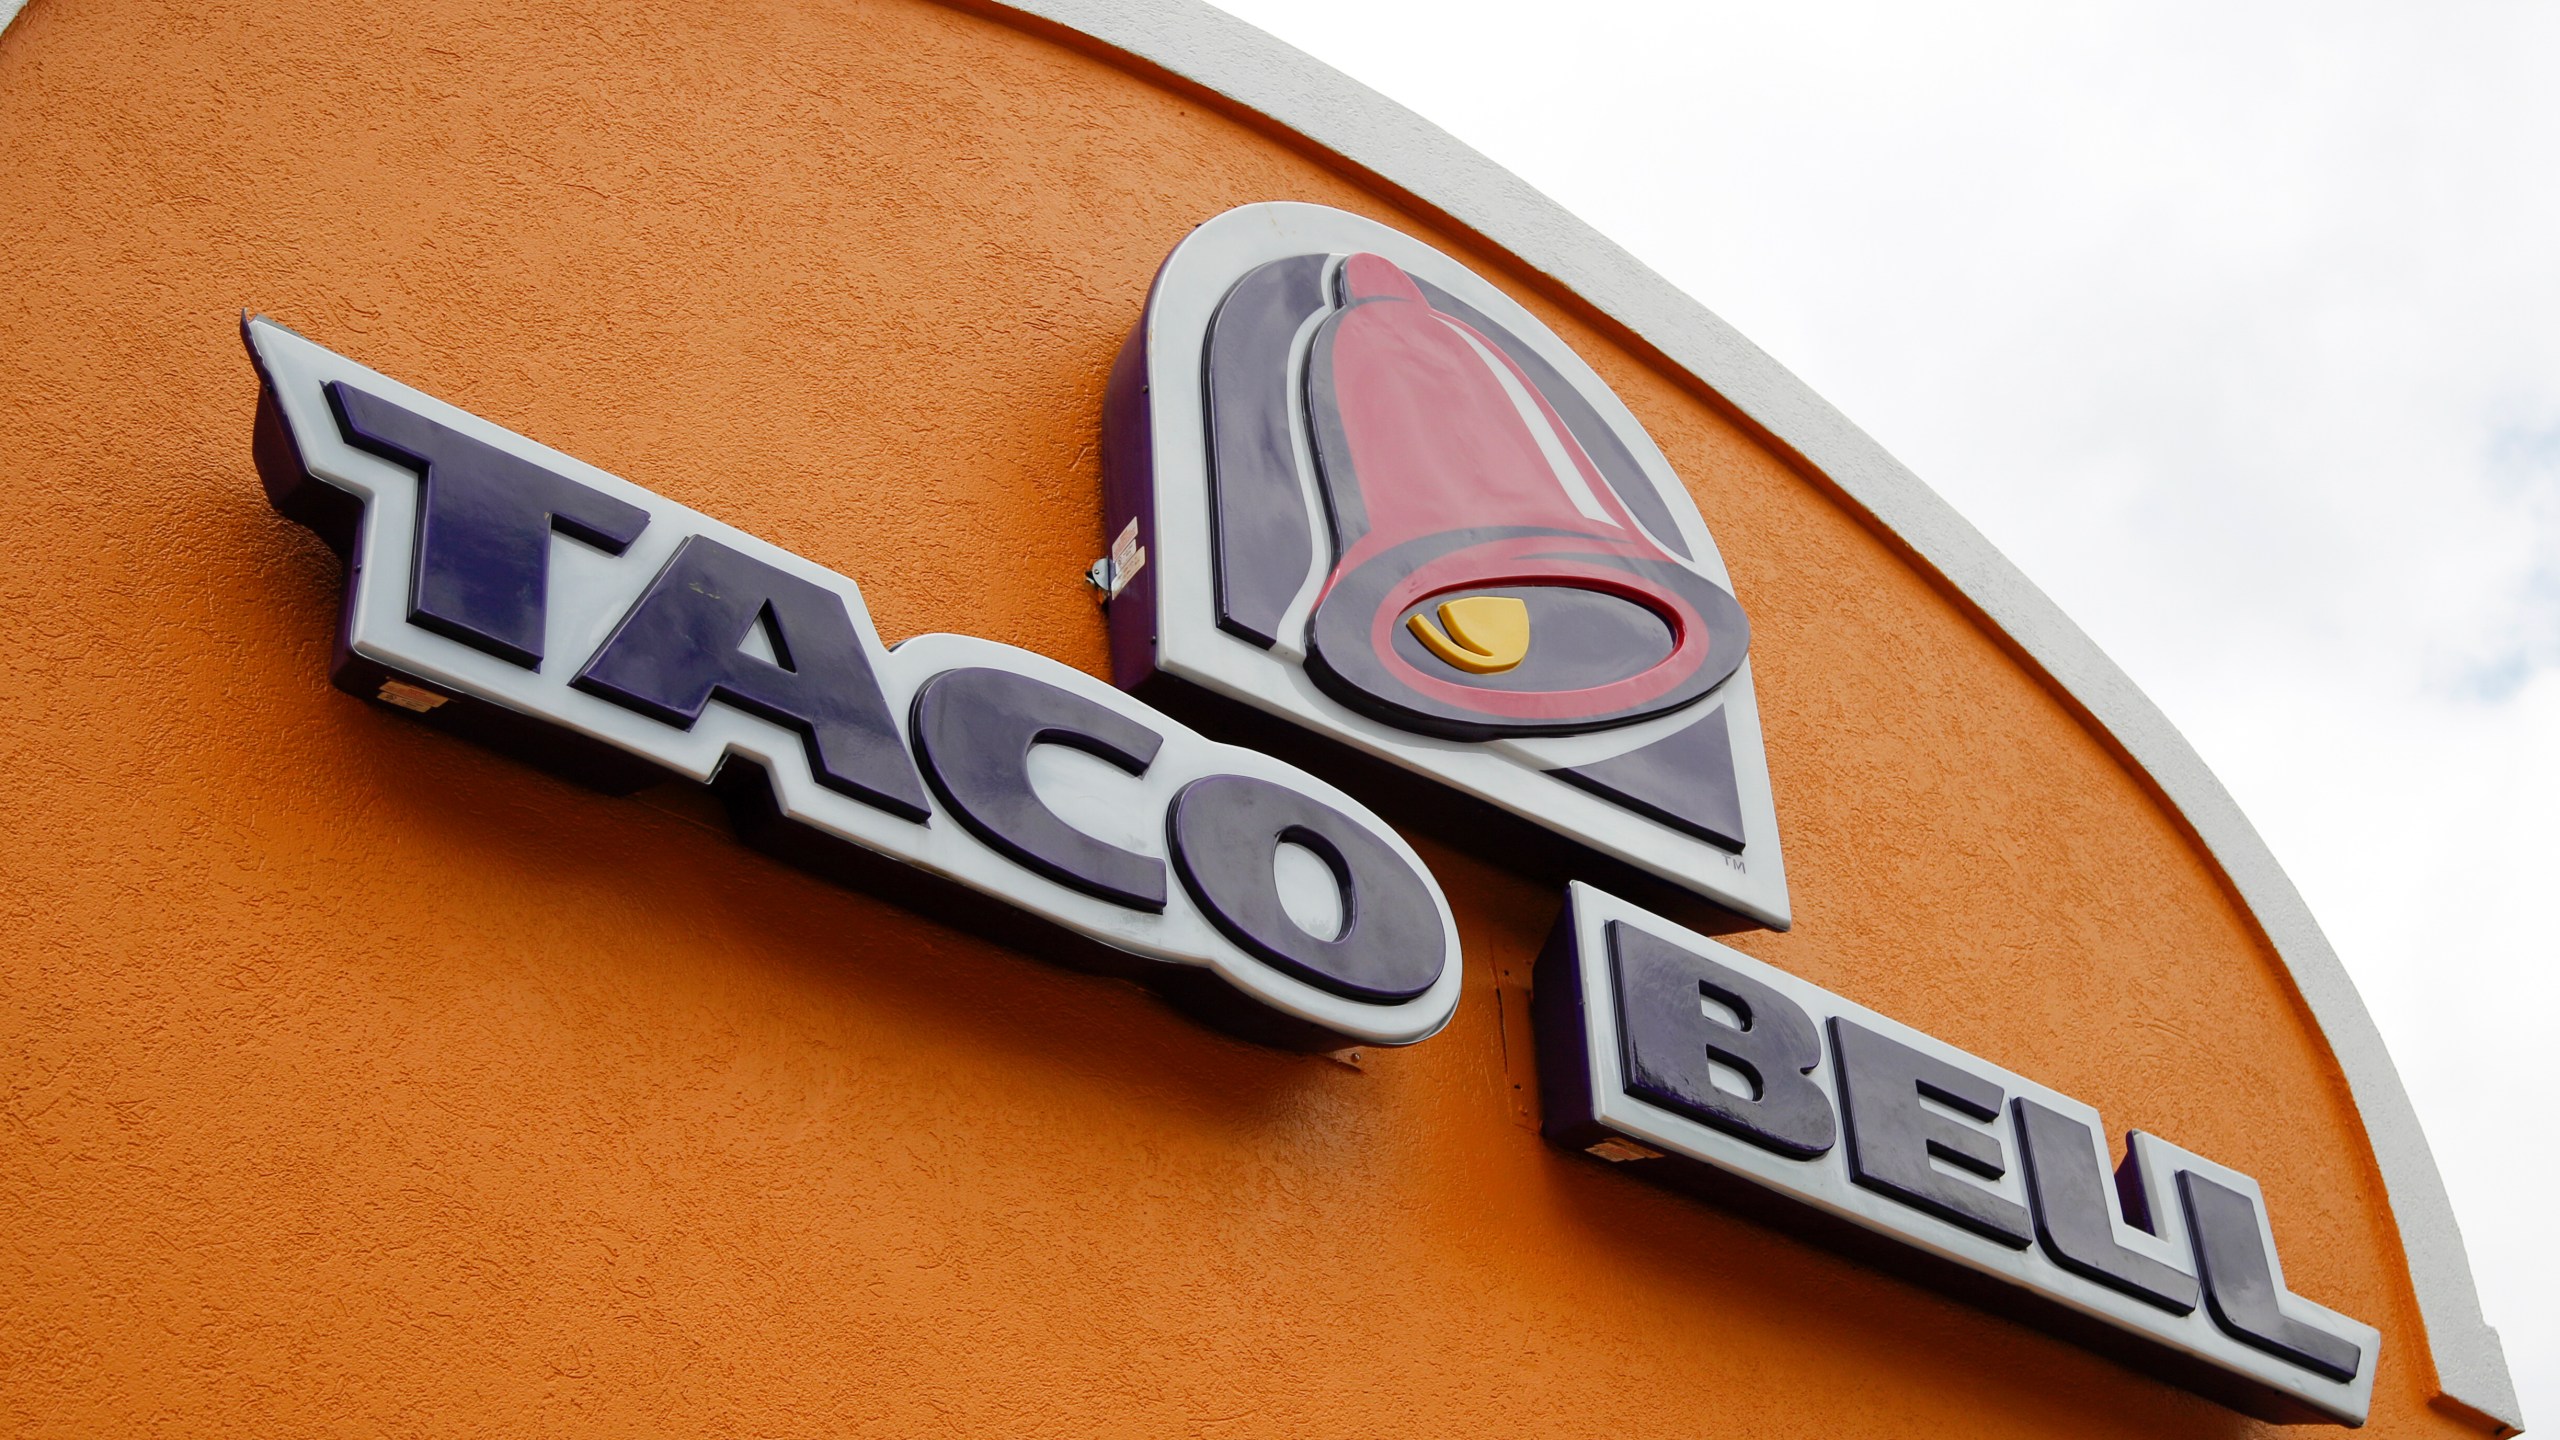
(974,730)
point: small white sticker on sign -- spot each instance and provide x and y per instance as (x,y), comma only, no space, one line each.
(1128,557)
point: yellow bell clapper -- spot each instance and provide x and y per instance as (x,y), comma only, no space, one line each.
(1487,634)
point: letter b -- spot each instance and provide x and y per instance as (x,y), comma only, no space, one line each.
(1670,1040)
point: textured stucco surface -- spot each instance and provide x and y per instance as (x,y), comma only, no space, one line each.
(355,1079)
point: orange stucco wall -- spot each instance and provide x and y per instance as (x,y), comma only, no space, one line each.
(353,1079)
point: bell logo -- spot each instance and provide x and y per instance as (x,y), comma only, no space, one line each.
(1454,488)
(1367,503)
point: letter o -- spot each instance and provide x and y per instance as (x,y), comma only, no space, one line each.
(1224,831)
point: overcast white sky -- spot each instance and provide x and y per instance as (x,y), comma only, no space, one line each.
(2238,328)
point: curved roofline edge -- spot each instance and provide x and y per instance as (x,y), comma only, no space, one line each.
(1231,59)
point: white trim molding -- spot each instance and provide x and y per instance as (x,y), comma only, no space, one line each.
(1218,53)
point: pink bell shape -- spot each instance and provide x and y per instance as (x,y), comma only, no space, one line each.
(1450,481)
